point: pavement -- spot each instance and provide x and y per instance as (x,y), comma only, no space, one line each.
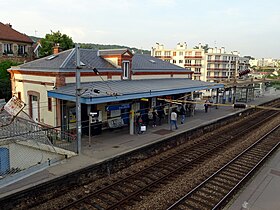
(114,143)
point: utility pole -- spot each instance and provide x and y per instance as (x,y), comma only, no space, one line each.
(78,99)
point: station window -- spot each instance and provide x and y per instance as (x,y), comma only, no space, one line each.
(49,104)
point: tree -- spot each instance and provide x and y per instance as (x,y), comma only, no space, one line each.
(5,82)
(205,47)
(249,57)
(65,42)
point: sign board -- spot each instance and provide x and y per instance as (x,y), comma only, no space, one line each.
(14,106)
(117,107)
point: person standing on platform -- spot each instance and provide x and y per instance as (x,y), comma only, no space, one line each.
(160,115)
(139,123)
(173,120)
(183,114)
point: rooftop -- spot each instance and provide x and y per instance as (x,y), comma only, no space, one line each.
(10,34)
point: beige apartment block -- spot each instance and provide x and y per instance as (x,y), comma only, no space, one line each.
(191,59)
(215,65)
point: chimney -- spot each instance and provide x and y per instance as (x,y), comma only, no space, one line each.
(9,25)
(56,49)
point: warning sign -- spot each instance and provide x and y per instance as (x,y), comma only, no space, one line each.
(14,106)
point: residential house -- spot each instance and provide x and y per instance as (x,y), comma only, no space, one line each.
(14,45)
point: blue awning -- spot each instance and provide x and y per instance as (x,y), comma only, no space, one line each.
(112,91)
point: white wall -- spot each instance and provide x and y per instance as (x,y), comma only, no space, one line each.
(24,156)
(47,117)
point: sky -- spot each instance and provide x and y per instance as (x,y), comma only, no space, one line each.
(248,26)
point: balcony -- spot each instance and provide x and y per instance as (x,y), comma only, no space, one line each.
(217,77)
(218,69)
(192,65)
(193,57)
(163,57)
(217,61)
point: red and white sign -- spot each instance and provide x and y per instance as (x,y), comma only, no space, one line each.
(14,106)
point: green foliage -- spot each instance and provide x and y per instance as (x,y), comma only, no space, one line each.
(65,42)
(5,82)
(205,47)
(249,57)
(104,47)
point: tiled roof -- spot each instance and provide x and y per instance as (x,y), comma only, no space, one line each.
(47,62)
(112,51)
(142,62)
(90,59)
(9,34)
(67,60)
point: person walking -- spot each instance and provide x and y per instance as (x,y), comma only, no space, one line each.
(173,120)
(154,113)
(183,114)
(206,105)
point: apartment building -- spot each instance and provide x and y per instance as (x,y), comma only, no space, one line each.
(211,66)
(191,59)
(265,62)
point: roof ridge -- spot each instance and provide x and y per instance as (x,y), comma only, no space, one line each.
(114,49)
(67,58)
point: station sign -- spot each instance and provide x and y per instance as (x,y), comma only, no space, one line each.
(117,107)
(14,106)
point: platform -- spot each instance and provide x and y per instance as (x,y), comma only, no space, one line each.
(114,143)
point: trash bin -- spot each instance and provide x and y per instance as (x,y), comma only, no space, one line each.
(96,128)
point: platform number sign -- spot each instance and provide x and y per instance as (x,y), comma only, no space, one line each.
(14,106)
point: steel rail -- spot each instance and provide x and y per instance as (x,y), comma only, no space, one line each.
(178,202)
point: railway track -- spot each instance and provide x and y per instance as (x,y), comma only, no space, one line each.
(127,191)
(215,190)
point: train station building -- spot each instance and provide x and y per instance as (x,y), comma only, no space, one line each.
(115,84)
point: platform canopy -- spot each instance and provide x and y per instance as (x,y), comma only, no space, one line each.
(119,90)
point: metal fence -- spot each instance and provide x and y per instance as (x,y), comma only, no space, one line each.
(25,145)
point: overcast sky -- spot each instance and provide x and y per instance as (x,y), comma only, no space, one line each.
(251,27)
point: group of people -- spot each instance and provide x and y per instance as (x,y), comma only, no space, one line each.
(154,115)
(174,115)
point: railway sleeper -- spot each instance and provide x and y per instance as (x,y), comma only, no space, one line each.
(227,177)
(235,167)
(216,189)
(93,204)
(188,206)
(241,165)
(247,162)
(233,174)
(105,198)
(201,202)
(224,182)
(115,195)
(250,156)
(205,196)
(240,173)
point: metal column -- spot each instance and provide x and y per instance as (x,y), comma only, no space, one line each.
(78,100)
